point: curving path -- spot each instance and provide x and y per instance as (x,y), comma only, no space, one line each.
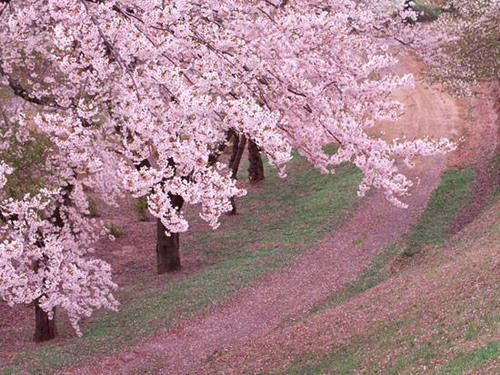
(289,293)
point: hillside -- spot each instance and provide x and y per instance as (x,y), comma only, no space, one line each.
(438,314)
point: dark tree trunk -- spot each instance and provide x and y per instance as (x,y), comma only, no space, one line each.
(237,160)
(45,328)
(256,167)
(234,152)
(234,164)
(233,205)
(168,257)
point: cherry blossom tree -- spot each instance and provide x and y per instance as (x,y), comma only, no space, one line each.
(471,54)
(325,68)
(46,235)
(143,96)
(46,242)
(46,264)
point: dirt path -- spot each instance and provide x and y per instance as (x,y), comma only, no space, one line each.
(291,292)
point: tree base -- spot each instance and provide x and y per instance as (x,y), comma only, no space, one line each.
(45,328)
(168,257)
(256,166)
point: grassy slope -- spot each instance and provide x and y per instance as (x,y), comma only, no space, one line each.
(276,224)
(455,190)
(449,328)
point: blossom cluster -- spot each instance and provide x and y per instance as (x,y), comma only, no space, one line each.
(470,54)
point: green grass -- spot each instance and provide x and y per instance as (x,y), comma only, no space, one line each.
(94,210)
(28,161)
(454,191)
(276,224)
(427,11)
(141,208)
(471,332)
(473,360)
(114,229)
(494,170)
(341,363)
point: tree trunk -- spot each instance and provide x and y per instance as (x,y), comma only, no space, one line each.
(234,164)
(256,167)
(45,328)
(168,257)
(236,144)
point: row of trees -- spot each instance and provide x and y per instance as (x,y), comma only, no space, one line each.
(142,97)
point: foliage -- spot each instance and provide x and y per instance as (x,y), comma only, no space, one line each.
(426,11)
(27,158)
(94,210)
(454,191)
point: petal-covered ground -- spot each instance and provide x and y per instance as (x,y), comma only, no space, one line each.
(441,304)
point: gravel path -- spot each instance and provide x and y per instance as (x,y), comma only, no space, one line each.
(289,293)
